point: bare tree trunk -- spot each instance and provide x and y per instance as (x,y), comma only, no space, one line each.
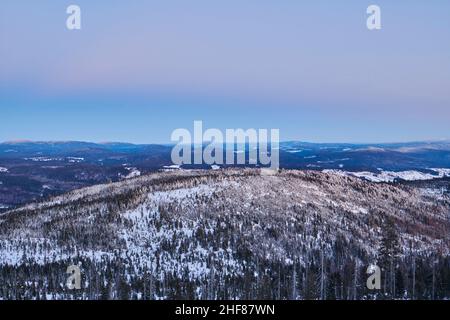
(211,284)
(279,282)
(414,278)
(392,278)
(321,277)
(294,281)
(150,291)
(144,293)
(355,280)
(433,284)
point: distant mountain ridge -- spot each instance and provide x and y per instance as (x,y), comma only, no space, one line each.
(36,170)
(293,154)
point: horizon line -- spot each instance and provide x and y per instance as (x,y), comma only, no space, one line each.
(24,141)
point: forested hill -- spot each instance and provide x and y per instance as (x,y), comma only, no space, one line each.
(230,234)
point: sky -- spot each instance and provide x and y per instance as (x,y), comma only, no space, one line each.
(137,70)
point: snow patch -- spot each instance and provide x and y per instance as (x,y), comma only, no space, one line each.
(391,176)
(173,166)
(134,172)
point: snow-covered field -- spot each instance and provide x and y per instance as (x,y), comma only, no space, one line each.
(133,173)
(391,176)
(49,159)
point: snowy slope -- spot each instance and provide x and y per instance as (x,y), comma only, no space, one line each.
(391,176)
(203,231)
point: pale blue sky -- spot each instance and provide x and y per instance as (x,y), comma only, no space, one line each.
(139,69)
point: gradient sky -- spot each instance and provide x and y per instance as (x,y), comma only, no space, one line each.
(139,69)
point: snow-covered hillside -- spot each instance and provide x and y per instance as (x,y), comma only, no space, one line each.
(391,176)
(226,234)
